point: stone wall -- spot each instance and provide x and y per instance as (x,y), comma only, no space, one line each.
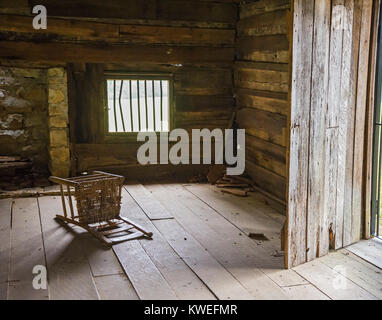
(33,125)
(23,123)
(59,156)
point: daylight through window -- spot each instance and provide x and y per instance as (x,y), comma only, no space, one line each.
(137,105)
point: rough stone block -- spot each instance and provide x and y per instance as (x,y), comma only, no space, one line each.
(58,138)
(13,104)
(56,96)
(28,73)
(36,93)
(58,122)
(54,73)
(39,133)
(59,164)
(35,120)
(12,122)
(58,109)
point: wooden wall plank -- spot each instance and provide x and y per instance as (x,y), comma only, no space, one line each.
(267,180)
(261,6)
(346,122)
(317,125)
(72,30)
(250,77)
(340,76)
(360,118)
(262,84)
(67,52)
(332,124)
(268,155)
(328,222)
(267,101)
(136,9)
(299,135)
(274,48)
(182,35)
(265,125)
(268,23)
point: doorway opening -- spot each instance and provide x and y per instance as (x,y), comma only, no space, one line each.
(376,203)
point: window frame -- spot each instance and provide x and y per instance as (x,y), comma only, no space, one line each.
(149,76)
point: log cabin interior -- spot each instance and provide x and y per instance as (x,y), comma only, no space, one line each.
(301,77)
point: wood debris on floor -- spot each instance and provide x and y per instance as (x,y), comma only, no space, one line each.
(235,185)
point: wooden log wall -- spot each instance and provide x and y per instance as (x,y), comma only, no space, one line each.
(193,40)
(261,86)
(327,126)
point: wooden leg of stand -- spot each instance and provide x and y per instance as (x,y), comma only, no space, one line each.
(137,226)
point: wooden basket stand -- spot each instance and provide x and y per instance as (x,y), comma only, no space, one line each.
(97,207)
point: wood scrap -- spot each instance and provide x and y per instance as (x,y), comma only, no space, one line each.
(15,164)
(9,159)
(239,186)
(232,185)
(258,236)
(236,192)
(215,173)
(239,179)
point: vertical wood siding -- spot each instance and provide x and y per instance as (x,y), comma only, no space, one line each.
(331,40)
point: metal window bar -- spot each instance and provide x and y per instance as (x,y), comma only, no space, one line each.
(147,113)
(131,106)
(153,92)
(120,107)
(161,106)
(130,96)
(139,106)
(114,108)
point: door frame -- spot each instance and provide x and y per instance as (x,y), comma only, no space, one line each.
(369,136)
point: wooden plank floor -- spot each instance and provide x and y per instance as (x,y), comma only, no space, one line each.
(200,251)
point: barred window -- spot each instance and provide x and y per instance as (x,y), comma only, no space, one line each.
(136,104)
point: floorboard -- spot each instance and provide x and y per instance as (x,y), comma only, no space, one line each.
(102,260)
(331,282)
(5,245)
(115,287)
(27,251)
(151,207)
(211,272)
(305,292)
(272,266)
(246,216)
(200,250)
(68,269)
(148,282)
(178,275)
(369,250)
(240,263)
(350,268)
